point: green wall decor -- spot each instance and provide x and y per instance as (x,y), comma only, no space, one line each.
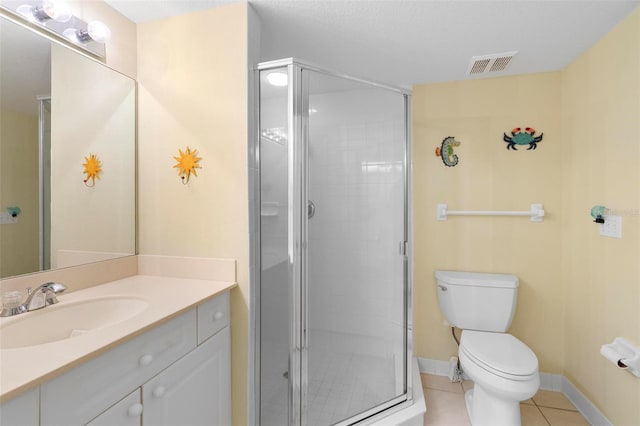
(445,151)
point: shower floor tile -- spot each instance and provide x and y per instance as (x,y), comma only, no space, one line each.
(345,377)
(342,385)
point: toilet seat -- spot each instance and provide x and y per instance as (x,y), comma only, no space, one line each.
(500,354)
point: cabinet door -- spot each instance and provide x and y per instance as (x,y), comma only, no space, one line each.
(84,392)
(127,412)
(21,410)
(193,391)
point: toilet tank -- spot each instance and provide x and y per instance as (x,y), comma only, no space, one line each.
(477,301)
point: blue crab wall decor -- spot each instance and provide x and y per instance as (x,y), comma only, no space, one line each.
(445,151)
(522,138)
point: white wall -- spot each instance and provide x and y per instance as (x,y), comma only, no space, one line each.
(93,112)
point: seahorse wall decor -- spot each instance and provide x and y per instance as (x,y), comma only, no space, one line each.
(445,151)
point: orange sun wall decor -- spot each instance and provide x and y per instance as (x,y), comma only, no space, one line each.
(92,169)
(188,162)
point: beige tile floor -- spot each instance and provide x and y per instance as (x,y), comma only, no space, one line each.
(445,405)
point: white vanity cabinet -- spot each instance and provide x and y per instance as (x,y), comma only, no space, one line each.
(21,410)
(194,390)
(177,373)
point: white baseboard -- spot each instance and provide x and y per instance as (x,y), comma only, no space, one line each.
(552,382)
(433,366)
(582,403)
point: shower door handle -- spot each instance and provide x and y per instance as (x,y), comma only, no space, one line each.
(311,209)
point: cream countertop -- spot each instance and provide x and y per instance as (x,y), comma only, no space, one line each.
(26,367)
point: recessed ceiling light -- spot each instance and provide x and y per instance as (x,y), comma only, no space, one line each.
(277,78)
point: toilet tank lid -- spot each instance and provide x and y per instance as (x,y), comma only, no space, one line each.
(477,279)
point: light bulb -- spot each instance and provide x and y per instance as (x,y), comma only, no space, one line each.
(71,34)
(277,78)
(99,32)
(27,12)
(50,9)
(96,31)
(57,10)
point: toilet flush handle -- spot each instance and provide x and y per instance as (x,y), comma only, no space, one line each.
(443,288)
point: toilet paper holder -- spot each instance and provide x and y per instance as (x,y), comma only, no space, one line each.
(623,354)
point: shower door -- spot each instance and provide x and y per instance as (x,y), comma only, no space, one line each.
(354,263)
(334,309)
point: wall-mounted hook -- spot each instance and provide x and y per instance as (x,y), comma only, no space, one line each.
(13,211)
(598,213)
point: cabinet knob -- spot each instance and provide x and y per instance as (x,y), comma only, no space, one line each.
(218,316)
(135,410)
(159,391)
(145,360)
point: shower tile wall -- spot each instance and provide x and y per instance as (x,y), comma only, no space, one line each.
(356,183)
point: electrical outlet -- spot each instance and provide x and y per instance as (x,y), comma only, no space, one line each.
(612,227)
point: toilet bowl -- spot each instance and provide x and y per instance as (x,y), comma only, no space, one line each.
(504,371)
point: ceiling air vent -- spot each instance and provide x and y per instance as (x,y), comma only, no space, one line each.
(490,63)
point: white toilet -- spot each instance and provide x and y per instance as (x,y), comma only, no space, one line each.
(504,370)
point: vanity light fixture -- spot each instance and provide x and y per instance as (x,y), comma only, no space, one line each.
(96,31)
(49,9)
(56,17)
(278,78)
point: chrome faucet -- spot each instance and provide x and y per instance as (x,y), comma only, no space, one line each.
(48,291)
(43,295)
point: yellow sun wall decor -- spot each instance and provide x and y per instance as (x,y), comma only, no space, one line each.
(92,169)
(187,164)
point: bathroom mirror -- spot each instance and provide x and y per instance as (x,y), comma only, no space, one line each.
(63,118)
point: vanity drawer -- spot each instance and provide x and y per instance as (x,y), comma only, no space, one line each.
(213,316)
(125,413)
(81,394)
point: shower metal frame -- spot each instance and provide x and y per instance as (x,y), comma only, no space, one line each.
(297,127)
(43,238)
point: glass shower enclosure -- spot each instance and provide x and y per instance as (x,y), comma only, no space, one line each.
(333,295)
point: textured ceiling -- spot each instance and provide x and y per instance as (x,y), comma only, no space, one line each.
(409,42)
(150,10)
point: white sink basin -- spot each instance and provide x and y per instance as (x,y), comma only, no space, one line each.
(68,320)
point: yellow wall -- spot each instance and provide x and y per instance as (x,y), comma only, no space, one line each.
(601,276)
(19,187)
(489,177)
(578,290)
(192,75)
